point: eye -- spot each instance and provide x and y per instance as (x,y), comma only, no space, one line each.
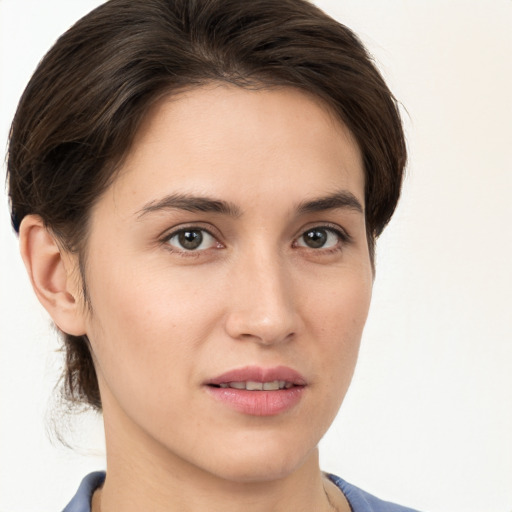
(320,238)
(191,239)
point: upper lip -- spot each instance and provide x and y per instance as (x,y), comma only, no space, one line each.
(259,374)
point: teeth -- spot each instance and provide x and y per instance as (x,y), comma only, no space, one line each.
(252,385)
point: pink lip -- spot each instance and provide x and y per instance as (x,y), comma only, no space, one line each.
(258,403)
(259,374)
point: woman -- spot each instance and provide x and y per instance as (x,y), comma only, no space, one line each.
(198,187)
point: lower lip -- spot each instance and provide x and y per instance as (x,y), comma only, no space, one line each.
(258,403)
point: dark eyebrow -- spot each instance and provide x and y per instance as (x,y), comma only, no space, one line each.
(341,199)
(190,203)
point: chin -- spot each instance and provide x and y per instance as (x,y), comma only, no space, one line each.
(263,463)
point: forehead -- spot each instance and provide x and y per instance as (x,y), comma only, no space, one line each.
(228,141)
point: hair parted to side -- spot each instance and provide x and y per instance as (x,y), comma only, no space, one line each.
(81,110)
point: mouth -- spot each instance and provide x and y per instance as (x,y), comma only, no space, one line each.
(251,385)
(258,391)
(256,378)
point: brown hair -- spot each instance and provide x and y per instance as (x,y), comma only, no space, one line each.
(81,109)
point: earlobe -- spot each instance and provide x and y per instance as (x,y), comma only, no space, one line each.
(51,273)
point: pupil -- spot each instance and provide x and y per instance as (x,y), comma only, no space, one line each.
(315,238)
(190,239)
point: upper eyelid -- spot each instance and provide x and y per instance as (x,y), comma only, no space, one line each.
(167,237)
(217,235)
(341,234)
(335,228)
(213,240)
(170,232)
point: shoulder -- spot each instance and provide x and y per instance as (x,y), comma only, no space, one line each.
(81,501)
(361,501)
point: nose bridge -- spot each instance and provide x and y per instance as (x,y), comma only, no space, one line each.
(262,306)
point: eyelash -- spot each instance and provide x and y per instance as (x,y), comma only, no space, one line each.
(188,252)
(343,239)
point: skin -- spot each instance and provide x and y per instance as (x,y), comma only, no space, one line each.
(165,319)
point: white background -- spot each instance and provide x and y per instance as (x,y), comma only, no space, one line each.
(428,421)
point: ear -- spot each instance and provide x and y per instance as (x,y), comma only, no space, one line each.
(52,273)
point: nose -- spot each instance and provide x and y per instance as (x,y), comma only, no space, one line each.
(262,304)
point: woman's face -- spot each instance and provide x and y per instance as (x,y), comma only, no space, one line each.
(229,254)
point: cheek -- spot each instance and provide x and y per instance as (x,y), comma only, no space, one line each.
(340,302)
(144,326)
(337,318)
(132,297)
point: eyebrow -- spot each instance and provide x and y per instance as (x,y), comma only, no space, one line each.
(341,199)
(190,203)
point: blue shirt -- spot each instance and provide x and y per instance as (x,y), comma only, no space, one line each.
(359,501)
